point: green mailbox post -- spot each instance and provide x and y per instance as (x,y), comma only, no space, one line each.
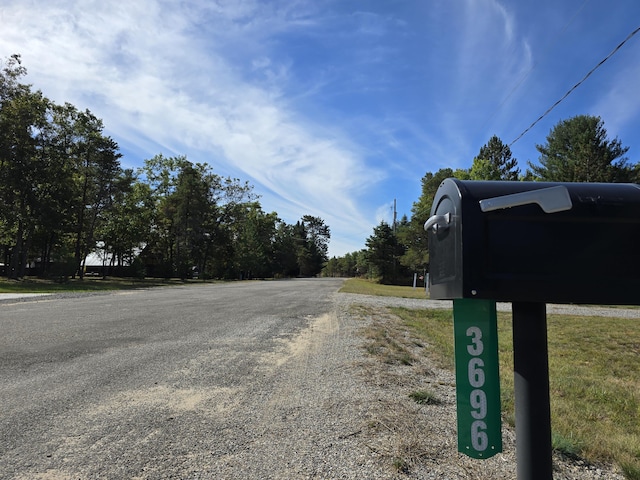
(528,243)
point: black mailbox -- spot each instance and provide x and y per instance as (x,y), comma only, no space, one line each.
(535,242)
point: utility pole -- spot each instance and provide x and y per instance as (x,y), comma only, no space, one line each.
(395,215)
(395,239)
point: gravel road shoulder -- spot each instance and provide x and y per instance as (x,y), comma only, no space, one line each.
(333,411)
(408,440)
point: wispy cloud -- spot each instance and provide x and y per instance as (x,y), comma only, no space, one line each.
(154,83)
(491,55)
(619,103)
(329,108)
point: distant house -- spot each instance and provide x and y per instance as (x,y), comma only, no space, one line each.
(103,263)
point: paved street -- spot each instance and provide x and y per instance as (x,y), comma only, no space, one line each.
(125,384)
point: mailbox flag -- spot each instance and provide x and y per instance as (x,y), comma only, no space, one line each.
(477,377)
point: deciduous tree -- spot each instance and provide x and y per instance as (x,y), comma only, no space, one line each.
(24,168)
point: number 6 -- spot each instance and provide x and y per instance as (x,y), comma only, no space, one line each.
(479,439)
(476,375)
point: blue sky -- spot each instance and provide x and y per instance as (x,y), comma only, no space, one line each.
(332,108)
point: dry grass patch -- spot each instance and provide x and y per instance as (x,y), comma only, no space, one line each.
(409,394)
(388,341)
(403,438)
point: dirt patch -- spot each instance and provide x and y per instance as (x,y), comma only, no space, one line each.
(306,342)
(171,399)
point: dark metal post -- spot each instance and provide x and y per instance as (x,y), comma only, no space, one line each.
(531,385)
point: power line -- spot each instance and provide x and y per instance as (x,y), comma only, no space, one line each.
(575,86)
(528,72)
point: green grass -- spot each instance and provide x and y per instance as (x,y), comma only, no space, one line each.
(424,397)
(92,284)
(594,369)
(366,287)
(567,446)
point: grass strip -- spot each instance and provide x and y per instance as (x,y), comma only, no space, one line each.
(594,380)
(367,287)
(88,284)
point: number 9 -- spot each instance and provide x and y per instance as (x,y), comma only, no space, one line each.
(478,400)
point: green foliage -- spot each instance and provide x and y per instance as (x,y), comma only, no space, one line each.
(285,258)
(566,445)
(214,226)
(430,183)
(349,265)
(127,223)
(57,173)
(494,162)
(630,469)
(578,150)
(383,254)
(412,235)
(395,257)
(64,195)
(254,246)
(311,237)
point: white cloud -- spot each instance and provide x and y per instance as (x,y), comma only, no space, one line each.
(384,213)
(139,66)
(620,104)
(491,55)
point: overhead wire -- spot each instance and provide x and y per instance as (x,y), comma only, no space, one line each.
(575,86)
(535,64)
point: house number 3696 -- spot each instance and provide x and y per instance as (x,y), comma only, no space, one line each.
(475,331)
(477,397)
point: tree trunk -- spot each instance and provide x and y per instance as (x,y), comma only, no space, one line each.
(25,254)
(14,263)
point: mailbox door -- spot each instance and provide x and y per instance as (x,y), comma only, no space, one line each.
(445,244)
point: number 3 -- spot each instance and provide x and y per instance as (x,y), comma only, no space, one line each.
(477,347)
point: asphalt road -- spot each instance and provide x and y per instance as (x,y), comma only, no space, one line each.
(136,384)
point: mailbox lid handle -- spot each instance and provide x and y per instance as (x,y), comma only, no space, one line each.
(551,200)
(438,221)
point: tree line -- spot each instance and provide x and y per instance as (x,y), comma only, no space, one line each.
(576,150)
(64,195)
